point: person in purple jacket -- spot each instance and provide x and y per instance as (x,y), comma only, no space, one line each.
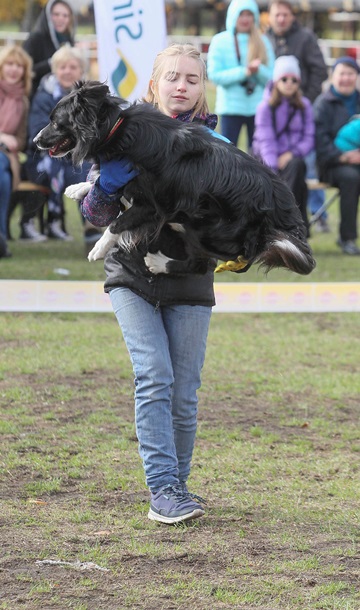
(285,129)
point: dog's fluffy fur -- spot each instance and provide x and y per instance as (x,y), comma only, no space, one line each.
(228,204)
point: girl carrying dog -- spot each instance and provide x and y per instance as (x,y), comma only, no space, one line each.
(164,319)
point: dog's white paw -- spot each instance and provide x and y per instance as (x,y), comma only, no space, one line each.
(78,191)
(156,262)
(102,246)
(96,253)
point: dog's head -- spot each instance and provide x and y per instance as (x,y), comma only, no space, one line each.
(80,122)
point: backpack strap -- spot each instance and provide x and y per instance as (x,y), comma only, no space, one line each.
(288,122)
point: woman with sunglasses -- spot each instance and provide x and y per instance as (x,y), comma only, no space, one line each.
(285,129)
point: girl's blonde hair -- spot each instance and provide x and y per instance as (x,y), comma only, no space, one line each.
(256,45)
(17,54)
(175,51)
(66,53)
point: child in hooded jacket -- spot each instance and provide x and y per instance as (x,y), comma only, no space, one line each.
(54,27)
(285,129)
(240,62)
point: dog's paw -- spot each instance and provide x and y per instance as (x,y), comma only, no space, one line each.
(96,253)
(78,191)
(156,262)
(103,245)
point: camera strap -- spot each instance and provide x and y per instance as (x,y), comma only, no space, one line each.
(248,78)
(237,50)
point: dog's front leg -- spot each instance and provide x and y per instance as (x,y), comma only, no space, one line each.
(103,245)
(78,191)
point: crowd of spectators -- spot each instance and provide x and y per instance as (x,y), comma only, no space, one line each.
(32,80)
(293,109)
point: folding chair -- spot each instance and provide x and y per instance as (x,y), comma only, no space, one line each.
(315,185)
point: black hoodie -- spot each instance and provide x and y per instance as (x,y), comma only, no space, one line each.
(43,41)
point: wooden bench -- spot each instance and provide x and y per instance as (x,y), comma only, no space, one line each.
(315,185)
(32,197)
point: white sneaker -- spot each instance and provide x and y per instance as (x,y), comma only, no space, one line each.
(29,233)
(55,231)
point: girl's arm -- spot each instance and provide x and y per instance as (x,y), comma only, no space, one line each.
(266,142)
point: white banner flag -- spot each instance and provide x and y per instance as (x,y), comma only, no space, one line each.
(130,33)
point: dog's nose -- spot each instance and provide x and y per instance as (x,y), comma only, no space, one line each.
(37,136)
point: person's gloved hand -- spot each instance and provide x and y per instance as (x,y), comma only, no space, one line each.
(115,174)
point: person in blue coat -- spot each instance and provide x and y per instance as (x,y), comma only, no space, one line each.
(240,62)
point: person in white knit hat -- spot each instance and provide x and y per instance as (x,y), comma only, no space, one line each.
(285,129)
(286,65)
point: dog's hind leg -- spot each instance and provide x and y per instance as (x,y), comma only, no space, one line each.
(107,240)
(160,263)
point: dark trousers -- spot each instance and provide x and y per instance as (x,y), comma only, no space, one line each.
(59,174)
(347,179)
(294,174)
(231,126)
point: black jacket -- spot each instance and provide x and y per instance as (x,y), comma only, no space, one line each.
(302,43)
(130,271)
(330,114)
(43,42)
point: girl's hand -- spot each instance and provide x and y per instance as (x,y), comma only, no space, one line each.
(9,141)
(254,65)
(351,156)
(284,159)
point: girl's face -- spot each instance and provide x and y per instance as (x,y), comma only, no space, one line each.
(288,85)
(60,17)
(245,22)
(13,71)
(68,72)
(179,86)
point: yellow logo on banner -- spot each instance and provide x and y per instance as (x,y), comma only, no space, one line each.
(124,78)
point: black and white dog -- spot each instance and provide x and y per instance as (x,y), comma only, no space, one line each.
(228,205)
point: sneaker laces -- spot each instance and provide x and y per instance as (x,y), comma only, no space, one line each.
(198,498)
(191,495)
(180,491)
(175,490)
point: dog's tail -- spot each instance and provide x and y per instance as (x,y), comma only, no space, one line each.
(289,251)
(284,234)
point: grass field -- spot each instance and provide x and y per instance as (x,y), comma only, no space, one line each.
(277,457)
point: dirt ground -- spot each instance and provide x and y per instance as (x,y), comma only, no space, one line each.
(213,563)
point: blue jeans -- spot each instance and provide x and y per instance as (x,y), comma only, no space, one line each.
(231,126)
(5,192)
(167,350)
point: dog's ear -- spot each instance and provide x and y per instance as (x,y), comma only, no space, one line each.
(85,105)
(92,88)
